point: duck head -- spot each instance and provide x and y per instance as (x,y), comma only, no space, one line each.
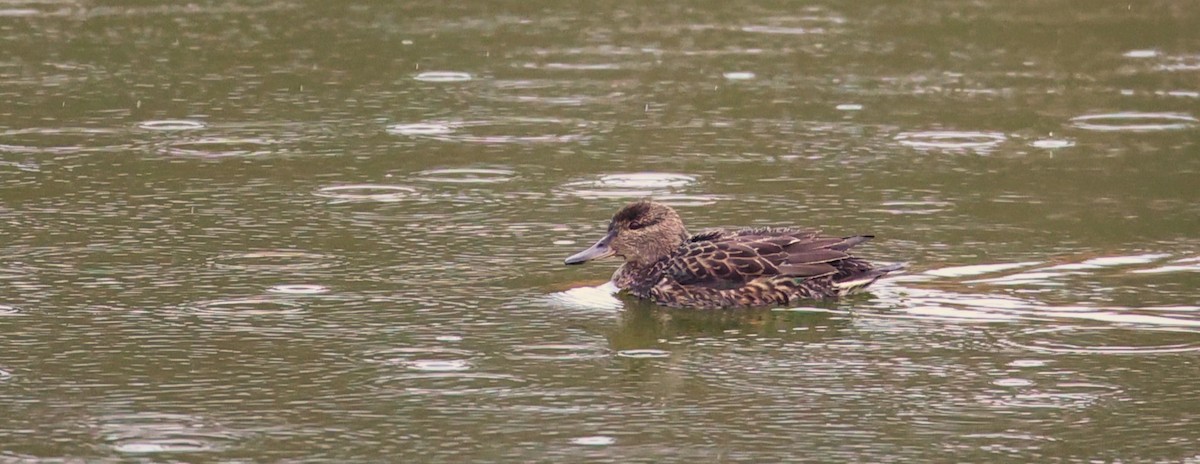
(642,232)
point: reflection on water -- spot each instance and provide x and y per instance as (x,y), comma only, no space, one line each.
(280,231)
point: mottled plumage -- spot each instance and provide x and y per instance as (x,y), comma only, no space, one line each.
(720,269)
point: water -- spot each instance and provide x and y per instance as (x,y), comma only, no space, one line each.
(265,231)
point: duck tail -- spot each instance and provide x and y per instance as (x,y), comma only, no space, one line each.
(858,282)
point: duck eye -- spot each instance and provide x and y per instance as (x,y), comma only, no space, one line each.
(636,225)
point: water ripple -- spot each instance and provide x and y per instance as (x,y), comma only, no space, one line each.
(443,76)
(221,147)
(1052,143)
(246,307)
(450,383)
(663,186)
(644,354)
(430,359)
(594,440)
(557,352)
(951,140)
(299,289)
(61,140)
(144,433)
(366,193)
(466,176)
(518,130)
(171,125)
(1134,122)
(1106,340)
(274,260)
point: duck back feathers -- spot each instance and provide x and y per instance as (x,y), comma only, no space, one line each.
(755,267)
(727,268)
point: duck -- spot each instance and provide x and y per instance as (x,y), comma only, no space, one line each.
(718,268)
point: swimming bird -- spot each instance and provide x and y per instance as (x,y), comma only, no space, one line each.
(727,268)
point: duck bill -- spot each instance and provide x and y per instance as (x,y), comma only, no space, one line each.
(597,251)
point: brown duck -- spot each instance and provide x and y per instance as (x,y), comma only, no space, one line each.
(724,269)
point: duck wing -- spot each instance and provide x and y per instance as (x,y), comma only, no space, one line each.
(726,260)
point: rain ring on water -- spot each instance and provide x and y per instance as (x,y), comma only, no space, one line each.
(466,176)
(498,131)
(424,359)
(1134,122)
(647,353)
(274,260)
(60,139)
(1106,340)
(171,125)
(299,289)
(246,307)
(366,192)
(443,76)
(951,140)
(420,128)
(221,147)
(1052,143)
(663,186)
(596,440)
(561,352)
(146,433)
